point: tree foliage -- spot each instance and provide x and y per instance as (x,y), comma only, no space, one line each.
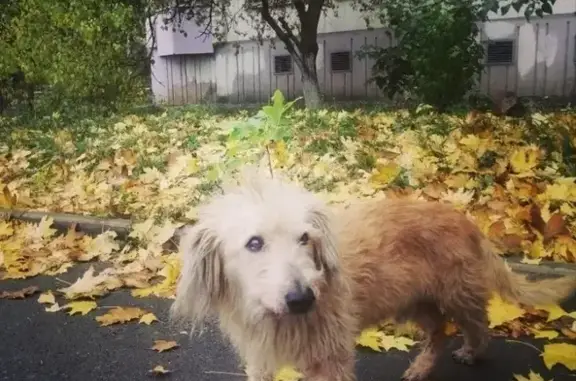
(91,50)
(437,55)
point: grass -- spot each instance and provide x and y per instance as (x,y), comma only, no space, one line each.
(164,162)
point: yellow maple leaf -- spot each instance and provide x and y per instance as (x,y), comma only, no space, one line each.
(80,307)
(548,334)
(531,377)
(399,342)
(166,287)
(148,319)
(371,338)
(500,311)
(53,308)
(287,373)
(102,246)
(6,229)
(91,285)
(164,345)
(120,315)
(561,353)
(47,298)
(524,159)
(385,174)
(42,230)
(554,311)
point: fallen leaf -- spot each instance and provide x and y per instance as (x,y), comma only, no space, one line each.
(148,318)
(371,338)
(91,285)
(450,329)
(287,373)
(47,298)
(163,345)
(401,343)
(561,353)
(80,307)
(500,312)
(549,335)
(385,174)
(159,370)
(53,308)
(120,315)
(19,294)
(531,261)
(531,377)
(524,159)
(569,332)
(554,311)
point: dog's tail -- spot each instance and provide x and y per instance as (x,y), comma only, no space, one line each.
(517,288)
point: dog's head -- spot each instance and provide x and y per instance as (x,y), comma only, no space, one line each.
(265,248)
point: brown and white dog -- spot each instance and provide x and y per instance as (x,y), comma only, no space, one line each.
(290,284)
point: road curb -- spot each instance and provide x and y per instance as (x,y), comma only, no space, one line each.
(63,221)
(96,225)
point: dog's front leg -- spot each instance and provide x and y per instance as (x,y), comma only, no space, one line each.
(332,369)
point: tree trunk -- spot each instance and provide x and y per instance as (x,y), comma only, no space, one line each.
(311,88)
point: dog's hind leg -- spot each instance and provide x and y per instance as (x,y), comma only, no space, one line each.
(473,321)
(431,320)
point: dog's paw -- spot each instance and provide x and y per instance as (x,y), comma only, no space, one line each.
(463,356)
(412,374)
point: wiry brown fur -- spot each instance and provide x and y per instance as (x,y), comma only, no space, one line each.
(398,259)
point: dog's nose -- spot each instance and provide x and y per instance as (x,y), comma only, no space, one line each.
(300,300)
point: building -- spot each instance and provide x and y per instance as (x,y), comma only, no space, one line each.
(536,58)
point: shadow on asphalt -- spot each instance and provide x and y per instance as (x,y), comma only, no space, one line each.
(38,345)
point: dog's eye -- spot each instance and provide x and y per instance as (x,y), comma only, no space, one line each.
(255,244)
(304,239)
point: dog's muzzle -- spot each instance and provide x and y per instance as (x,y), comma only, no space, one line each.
(300,300)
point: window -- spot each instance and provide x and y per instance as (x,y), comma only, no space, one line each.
(340,61)
(282,64)
(500,52)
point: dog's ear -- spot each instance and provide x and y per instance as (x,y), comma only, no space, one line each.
(201,282)
(325,246)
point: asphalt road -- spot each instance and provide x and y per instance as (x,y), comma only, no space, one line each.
(37,345)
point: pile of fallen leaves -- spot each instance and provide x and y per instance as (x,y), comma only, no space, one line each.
(515,183)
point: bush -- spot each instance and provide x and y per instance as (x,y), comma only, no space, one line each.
(437,55)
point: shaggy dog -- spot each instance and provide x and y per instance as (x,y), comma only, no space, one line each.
(289,284)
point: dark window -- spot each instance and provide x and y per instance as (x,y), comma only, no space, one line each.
(340,61)
(282,64)
(500,52)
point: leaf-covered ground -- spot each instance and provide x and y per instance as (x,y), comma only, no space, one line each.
(515,178)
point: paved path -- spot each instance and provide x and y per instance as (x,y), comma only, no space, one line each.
(37,345)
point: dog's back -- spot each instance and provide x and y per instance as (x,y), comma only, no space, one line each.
(402,252)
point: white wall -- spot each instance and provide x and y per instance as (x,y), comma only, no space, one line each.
(243,71)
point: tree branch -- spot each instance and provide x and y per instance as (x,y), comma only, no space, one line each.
(282,35)
(300,8)
(288,30)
